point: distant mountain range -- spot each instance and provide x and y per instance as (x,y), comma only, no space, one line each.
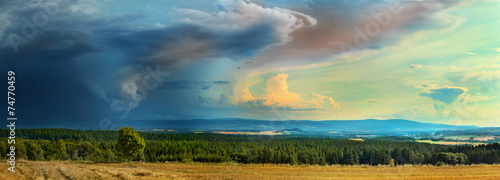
(345,126)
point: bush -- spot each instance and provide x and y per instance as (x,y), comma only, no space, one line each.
(391,163)
(439,163)
(187,160)
(452,158)
(162,158)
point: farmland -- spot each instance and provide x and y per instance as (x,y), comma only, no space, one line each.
(69,170)
(449,142)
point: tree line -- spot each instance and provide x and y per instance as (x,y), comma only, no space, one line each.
(130,145)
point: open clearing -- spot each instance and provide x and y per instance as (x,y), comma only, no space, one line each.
(68,170)
(448,142)
(475,137)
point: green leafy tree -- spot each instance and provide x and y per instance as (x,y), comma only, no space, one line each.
(61,153)
(110,156)
(3,150)
(102,146)
(21,151)
(130,144)
(34,151)
(452,158)
(74,155)
(85,149)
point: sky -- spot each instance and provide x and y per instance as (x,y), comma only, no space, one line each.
(96,63)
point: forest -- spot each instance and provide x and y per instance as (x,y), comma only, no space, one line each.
(113,146)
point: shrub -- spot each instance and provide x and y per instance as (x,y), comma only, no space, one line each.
(439,163)
(391,163)
(187,160)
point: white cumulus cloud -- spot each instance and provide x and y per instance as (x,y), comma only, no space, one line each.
(241,15)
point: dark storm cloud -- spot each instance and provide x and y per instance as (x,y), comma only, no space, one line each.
(188,42)
(51,60)
(49,87)
(203,37)
(77,64)
(52,84)
(171,48)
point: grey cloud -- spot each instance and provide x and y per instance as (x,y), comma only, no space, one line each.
(445,94)
(85,57)
(193,41)
(223,102)
(341,24)
(221,82)
(183,84)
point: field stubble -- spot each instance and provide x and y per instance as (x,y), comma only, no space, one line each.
(71,170)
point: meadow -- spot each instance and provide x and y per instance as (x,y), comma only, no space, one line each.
(450,142)
(74,170)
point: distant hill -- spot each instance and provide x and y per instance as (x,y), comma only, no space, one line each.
(346,126)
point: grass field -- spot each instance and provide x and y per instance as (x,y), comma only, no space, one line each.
(448,142)
(475,137)
(68,170)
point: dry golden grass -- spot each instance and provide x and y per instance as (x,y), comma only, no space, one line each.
(69,170)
